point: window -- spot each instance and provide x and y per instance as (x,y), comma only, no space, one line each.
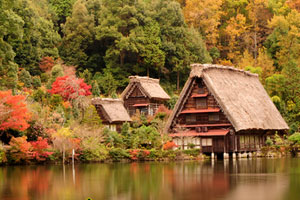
(144,110)
(190,118)
(112,127)
(206,142)
(201,103)
(242,141)
(200,88)
(214,117)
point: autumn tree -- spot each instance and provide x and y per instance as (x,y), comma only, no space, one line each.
(70,87)
(46,64)
(13,112)
(204,15)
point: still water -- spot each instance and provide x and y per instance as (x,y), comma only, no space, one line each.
(253,179)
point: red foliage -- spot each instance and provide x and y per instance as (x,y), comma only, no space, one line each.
(146,153)
(134,154)
(39,149)
(13,112)
(137,153)
(70,87)
(169,145)
(46,64)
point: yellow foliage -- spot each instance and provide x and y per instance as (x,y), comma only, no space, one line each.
(63,132)
(204,15)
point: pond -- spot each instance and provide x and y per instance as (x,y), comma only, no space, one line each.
(265,179)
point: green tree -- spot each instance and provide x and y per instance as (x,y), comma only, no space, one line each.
(10,27)
(78,35)
(25,77)
(57,71)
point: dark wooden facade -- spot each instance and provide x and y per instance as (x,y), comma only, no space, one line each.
(137,101)
(202,124)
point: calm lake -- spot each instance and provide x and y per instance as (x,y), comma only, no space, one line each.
(253,179)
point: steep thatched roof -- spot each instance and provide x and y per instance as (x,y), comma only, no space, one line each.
(240,95)
(113,109)
(149,86)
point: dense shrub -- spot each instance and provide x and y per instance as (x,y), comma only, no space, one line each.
(192,152)
(92,150)
(36,82)
(20,150)
(2,155)
(118,154)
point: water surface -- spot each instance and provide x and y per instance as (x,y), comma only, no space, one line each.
(253,179)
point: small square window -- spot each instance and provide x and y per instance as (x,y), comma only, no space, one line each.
(213,117)
(201,103)
(206,142)
(190,118)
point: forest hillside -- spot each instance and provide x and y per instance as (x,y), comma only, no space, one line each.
(50,47)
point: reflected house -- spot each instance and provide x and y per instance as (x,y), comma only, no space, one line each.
(223,109)
(112,112)
(143,94)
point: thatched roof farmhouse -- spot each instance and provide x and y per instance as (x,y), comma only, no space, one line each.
(228,100)
(111,112)
(144,94)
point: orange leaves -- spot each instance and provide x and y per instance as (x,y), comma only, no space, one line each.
(169,145)
(46,64)
(13,112)
(21,150)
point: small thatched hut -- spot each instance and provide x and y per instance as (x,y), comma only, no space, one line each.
(223,110)
(112,112)
(143,94)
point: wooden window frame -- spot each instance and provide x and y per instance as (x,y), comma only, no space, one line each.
(215,117)
(200,103)
(206,142)
(190,118)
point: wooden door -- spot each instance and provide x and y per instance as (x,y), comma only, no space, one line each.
(218,144)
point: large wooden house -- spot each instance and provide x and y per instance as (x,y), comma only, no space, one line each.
(143,94)
(223,110)
(112,112)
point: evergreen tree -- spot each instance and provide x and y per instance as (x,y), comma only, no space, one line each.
(78,35)
(57,71)
(25,78)
(95,89)
(10,27)
(36,82)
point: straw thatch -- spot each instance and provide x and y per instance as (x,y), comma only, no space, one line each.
(239,94)
(148,86)
(113,109)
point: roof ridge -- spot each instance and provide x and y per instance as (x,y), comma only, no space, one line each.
(197,69)
(104,100)
(143,78)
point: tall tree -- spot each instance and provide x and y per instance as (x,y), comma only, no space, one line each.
(205,16)
(10,27)
(78,35)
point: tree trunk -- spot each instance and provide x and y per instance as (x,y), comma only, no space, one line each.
(148,73)
(63,154)
(122,57)
(178,81)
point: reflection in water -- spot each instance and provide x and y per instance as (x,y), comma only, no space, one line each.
(244,179)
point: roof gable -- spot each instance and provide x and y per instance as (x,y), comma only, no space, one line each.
(149,86)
